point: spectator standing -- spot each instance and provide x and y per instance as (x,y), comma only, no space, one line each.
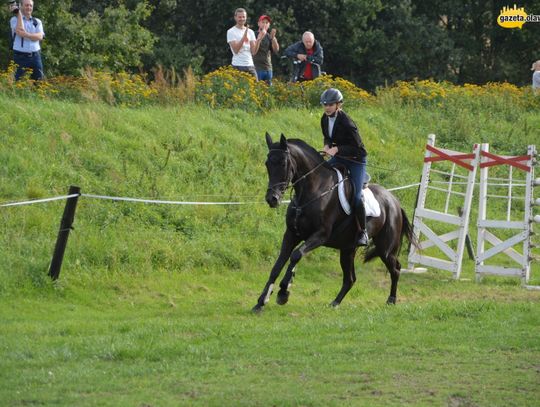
(26,34)
(266,44)
(536,76)
(308,54)
(242,41)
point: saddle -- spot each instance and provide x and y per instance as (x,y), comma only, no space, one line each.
(372,206)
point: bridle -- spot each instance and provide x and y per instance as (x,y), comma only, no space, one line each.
(290,173)
(298,208)
(277,187)
(273,187)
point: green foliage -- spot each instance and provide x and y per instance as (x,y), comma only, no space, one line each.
(480,51)
(372,43)
(229,88)
(113,39)
(401,44)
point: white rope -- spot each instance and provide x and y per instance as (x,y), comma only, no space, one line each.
(152,201)
(404,187)
(156,201)
(34,201)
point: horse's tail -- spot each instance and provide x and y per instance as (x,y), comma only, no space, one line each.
(407,230)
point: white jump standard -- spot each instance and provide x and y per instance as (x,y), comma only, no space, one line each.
(518,262)
(427,237)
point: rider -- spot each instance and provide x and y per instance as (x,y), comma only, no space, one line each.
(343,143)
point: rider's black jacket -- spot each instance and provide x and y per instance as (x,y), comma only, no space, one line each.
(344,135)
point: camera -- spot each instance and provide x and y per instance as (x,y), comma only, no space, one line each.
(12,3)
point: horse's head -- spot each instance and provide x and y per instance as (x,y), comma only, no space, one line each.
(280,170)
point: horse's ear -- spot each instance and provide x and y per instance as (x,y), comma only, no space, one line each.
(283,142)
(269,141)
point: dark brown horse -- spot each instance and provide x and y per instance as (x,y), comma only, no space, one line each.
(315,218)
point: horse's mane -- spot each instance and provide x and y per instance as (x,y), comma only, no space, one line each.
(307,150)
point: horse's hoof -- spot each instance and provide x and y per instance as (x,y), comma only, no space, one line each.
(391,301)
(282,297)
(257,309)
(334,304)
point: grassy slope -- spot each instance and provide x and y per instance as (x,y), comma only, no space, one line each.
(191,154)
(151,308)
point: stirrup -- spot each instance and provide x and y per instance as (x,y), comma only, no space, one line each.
(362,239)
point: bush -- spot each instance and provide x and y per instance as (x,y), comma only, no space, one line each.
(500,97)
(227,87)
(230,88)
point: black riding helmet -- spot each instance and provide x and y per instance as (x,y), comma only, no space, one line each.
(330,96)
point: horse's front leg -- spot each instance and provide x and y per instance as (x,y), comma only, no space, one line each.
(315,240)
(290,240)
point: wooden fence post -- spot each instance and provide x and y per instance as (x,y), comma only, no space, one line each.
(63,234)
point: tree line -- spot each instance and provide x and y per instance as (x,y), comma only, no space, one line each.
(370,42)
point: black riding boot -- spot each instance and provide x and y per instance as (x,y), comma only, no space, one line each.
(360,213)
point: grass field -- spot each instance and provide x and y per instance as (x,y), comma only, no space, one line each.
(189,339)
(152,307)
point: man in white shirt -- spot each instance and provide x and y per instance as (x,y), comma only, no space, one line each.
(27,32)
(243,43)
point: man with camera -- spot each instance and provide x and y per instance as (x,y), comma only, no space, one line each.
(26,34)
(308,57)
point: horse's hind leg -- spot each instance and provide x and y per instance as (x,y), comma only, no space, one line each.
(287,245)
(394,267)
(346,259)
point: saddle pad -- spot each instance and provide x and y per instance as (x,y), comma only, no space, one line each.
(341,193)
(371,204)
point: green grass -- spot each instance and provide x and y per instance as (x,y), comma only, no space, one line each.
(152,305)
(189,339)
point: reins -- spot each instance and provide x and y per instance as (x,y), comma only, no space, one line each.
(323,194)
(299,208)
(307,173)
(299,179)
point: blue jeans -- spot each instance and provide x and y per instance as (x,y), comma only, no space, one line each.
(265,76)
(31,60)
(248,69)
(358,171)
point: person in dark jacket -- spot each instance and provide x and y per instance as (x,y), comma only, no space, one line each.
(343,143)
(308,57)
